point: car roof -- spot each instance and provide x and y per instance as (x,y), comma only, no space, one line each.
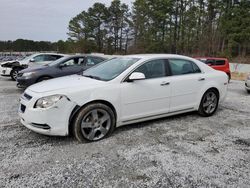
(49,53)
(152,56)
(216,58)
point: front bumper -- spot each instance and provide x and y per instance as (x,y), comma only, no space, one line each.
(5,71)
(52,121)
(23,82)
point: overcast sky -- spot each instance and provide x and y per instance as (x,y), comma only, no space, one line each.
(41,19)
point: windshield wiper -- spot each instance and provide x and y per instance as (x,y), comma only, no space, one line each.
(93,77)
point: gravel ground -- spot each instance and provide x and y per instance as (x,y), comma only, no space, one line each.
(180,151)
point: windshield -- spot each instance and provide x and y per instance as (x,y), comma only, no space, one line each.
(26,58)
(110,69)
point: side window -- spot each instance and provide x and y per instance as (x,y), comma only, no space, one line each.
(220,62)
(51,57)
(91,61)
(153,69)
(39,58)
(72,62)
(210,62)
(196,68)
(181,66)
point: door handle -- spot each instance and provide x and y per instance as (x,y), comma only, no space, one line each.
(201,79)
(165,83)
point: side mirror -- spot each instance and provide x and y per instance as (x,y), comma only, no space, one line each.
(136,76)
(32,60)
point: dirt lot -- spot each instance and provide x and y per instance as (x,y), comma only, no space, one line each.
(180,151)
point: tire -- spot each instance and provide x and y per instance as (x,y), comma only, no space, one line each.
(43,79)
(209,103)
(13,73)
(88,124)
(229,77)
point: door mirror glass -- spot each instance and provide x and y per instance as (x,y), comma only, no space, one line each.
(32,60)
(136,76)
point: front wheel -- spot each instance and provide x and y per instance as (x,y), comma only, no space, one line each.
(209,103)
(14,73)
(94,122)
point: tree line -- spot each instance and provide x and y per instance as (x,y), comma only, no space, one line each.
(189,27)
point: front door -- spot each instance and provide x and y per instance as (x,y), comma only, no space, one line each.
(70,66)
(149,97)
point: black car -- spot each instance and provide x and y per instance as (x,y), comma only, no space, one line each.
(62,67)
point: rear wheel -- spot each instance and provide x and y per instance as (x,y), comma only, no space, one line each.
(209,103)
(94,122)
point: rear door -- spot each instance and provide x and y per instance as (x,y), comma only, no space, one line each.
(186,82)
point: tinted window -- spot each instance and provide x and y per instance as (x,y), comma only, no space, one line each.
(220,62)
(180,67)
(210,62)
(51,57)
(39,58)
(153,69)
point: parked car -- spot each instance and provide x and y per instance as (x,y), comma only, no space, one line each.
(221,64)
(62,67)
(122,91)
(11,68)
(247,83)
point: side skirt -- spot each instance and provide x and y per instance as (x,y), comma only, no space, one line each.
(147,118)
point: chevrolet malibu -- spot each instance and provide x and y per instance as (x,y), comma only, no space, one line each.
(122,91)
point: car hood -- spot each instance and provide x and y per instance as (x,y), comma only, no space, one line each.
(5,62)
(65,84)
(34,68)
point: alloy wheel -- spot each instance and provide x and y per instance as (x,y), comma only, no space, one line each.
(15,72)
(210,102)
(96,124)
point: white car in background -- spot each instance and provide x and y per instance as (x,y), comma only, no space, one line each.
(247,83)
(11,68)
(122,91)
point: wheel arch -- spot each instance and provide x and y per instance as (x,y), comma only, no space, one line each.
(203,91)
(79,108)
(216,89)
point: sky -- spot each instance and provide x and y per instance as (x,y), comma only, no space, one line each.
(41,20)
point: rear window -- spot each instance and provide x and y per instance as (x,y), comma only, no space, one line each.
(181,66)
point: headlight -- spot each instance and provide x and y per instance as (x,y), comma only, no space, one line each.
(46,102)
(28,74)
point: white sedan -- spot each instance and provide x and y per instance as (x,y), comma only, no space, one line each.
(122,91)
